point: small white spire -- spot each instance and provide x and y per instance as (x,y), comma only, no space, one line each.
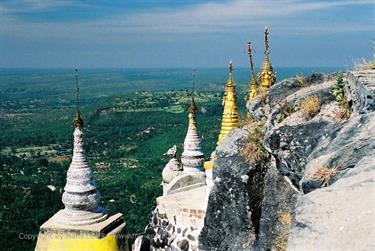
(81,196)
(192,158)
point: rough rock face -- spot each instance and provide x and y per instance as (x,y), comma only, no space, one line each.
(228,223)
(341,148)
(291,145)
(339,217)
(279,200)
(289,207)
(289,90)
(360,90)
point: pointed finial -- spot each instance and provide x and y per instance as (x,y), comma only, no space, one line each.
(253,85)
(266,33)
(77,88)
(248,48)
(251,59)
(77,121)
(230,68)
(193,108)
(193,76)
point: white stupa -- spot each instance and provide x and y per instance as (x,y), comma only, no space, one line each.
(81,195)
(192,158)
(82,224)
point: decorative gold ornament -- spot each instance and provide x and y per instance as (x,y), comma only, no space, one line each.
(230,113)
(253,83)
(193,108)
(78,121)
(266,77)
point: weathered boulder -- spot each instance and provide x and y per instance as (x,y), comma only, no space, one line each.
(293,139)
(290,87)
(279,200)
(228,223)
(259,107)
(289,90)
(339,217)
(320,90)
(291,145)
(360,90)
(340,148)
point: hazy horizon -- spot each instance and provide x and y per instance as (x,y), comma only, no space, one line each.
(166,67)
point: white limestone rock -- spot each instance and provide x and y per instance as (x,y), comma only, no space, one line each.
(339,217)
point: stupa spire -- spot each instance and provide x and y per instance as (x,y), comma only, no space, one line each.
(266,45)
(77,121)
(230,70)
(81,196)
(192,158)
(230,113)
(193,107)
(253,84)
(82,224)
(266,77)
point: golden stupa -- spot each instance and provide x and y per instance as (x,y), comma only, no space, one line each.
(230,112)
(253,83)
(230,117)
(266,76)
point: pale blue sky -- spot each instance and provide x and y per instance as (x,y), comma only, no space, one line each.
(177,33)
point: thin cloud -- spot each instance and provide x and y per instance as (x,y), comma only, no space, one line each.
(237,16)
(14,7)
(210,16)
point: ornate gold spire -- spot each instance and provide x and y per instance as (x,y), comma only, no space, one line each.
(230,112)
(253,83)
(266,77)
(77,120)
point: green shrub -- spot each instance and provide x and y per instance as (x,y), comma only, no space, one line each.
(338,89)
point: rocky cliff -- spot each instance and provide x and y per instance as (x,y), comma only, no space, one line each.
(298,175)
(314,190)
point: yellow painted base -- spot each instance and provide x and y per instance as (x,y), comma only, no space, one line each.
(209,164)
(108,243)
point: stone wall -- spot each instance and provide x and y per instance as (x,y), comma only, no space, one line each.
(176,221)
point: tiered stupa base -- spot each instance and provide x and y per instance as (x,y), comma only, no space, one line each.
(79,217)
(107,235)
